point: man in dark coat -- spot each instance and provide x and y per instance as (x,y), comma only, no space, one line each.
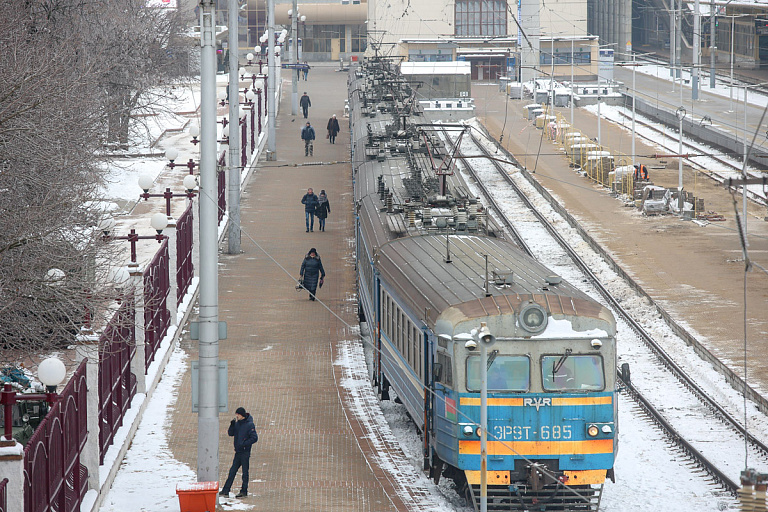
(305,103)
(309,201)
(333,129)
(312,273)
(322,210)
(308,135)
(244,432)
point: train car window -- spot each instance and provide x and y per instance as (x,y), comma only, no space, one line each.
(572,373)
(447,374)
(507,373)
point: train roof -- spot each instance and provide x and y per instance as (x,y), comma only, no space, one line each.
(416,271)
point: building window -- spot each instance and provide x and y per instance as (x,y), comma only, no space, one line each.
(359,38)
(481,17)
(318,38)
(562,58)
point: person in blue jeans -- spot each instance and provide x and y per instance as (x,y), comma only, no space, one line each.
(308,135)
(244,432)
(310,201)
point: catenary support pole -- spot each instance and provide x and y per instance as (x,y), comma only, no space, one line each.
(696,51)
(295,59)
(271,82)
(712,45)
(208,417)
(233,196)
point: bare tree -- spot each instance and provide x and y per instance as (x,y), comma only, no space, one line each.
(51,126)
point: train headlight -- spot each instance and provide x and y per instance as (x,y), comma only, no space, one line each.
(533,318)
(607,429)
(468,430)
(592,431)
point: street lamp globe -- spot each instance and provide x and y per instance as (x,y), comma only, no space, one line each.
(225,131)
(242,72)
(146,182)
(51,373)
(194,130)
(290,12)
(249,56)
(190,182)
(106,225)
(173,153)
(277,50)
(303,18)
(257,49)
(249,95)
(120,276)
(55,277)
(159,222)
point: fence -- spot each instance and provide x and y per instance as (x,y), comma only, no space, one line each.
(54,479)
(157,318)
(117,385)
(3,499)
(185,270)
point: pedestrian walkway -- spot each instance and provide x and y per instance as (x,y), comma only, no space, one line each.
(281,347)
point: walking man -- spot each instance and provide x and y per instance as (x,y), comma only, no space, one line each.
(310,201)
(308,135)
(333,129)
(312,273)
(305,103)
(244,432)
(306,72)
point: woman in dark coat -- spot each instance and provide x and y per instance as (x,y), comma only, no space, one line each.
(333,129)
(322,209)
(312,272)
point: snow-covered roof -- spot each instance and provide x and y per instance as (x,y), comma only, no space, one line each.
(436,68)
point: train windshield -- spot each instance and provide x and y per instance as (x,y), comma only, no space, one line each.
(506,373)
(568,372)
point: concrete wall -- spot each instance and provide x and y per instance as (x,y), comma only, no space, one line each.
(708,134)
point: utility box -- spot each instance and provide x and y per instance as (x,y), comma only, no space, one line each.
(197,496)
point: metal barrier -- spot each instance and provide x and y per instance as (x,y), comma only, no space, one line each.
(157,318)
(54,479)
(185,269)
(117,385)
(3,499)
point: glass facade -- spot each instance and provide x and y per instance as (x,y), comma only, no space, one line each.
(481,17)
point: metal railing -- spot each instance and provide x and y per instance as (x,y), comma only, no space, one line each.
(222,176)
(3,499)
(117,385)
(54,479)
(185,269)
(157,318)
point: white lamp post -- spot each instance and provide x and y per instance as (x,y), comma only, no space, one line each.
(680,112)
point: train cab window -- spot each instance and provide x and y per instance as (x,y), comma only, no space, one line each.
(568,372)
(506,373)
(446,374)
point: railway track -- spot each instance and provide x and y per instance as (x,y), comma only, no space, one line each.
(672,147)
(687,422)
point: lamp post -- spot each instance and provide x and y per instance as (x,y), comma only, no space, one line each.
(158,222)
(172,154)
(680,113)
(485,339)
(51,373)
(190,182)
(599,100)
(293,17)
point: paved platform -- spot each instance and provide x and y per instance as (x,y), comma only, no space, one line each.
(696,273)
(281,347)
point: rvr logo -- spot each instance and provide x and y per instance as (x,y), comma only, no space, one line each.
(537,402)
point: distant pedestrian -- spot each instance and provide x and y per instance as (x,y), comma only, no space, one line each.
(312,273)
(305,104)
(308,135)
(306,72)
(333,129)
(244,432)
(322,210)
(309,201)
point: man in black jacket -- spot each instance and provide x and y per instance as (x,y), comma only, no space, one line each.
(308,135)
(244,432)
(305,103)
(310,205)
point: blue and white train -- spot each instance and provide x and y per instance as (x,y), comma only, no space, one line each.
(432,267)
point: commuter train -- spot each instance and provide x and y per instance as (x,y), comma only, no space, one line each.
(433,268)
